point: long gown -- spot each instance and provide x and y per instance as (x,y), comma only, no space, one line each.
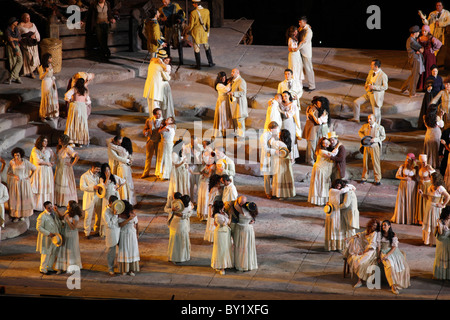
(49,107)
(441,268)
(179,178)
(77,127)
(179,249)
(283,179)
(289,123)
(405,205)
(128,256)
(396,267)
(429,58)
(431,215)
(222,254)
(30,53)
(167,102)
(421,202)
(214,194)
(21,197)
(223,119)
(65,184)
(360,261)
(432,142)
(320,179)
(334,233)
(203,193)
(42,180)
(69,252)
(164,160)
(295,62)
(245,258)
(125,172)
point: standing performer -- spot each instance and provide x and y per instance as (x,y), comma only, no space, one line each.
(405,205)
(199,27)
(65,185)
(306,52)
(77,127)
(49,108)
(151,131)
(415,61)
(238,104)
(91,202)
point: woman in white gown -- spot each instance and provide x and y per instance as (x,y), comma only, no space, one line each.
(77,117)
(207,170)
(128,256)
(424,172)
(42,181)
(294,58)
(222,114)
(396,267)
(179,249)
(290,121)
(214,194)
(283,179)
(69,252)
(179,175)
(167,103)
(405,205)
(21,197)
(245,258)
(49,108)
(320,176)
(124,171)
(222,255)
(164,160)
(29,45)
(65,184)
(361,251)
(441,268)
(437,199)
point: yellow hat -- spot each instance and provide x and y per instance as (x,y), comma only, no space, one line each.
(57,240)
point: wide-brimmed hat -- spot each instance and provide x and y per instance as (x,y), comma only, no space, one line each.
(118,206)
(365,142)
(328,208)
(101,191)
(57,240)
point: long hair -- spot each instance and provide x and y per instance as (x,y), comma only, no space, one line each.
(324,107)
(75,209)
(285,137)
(373,222)
(431,116)
(219,77)
(103,174)
(252,209)
(290,33)
(44,61)
(79,86)
(390,234)
(63,142)
(437,179)
(39,141)
(217,206)
(127,145)
(213,180)
(319,145)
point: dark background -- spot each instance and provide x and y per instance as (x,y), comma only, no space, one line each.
(340,24)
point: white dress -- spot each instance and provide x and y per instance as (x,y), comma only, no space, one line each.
(222,254)
(245,258)
(125,172)
(30,53)
(334,234)
(69,252)
(203,195)
(283,185)
(167,102)
(179,177)
(320,179)
(214,194)
(77,127)
(42,180)
(396,267)
(49,94)
(164,160)
(295,60)
(358,260)
(21,197)
(431,215)
(405,205)
(288,123)
(222,116)
(65,184)
(128,245)
(179,249)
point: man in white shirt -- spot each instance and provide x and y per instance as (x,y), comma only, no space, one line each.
(266,156)
(306,52)
(48,224)
(193,153)
(293,86)
(229,190)
(238,103)
(376,84)
(112,232)
(224,164)
(91,202)
(151,131)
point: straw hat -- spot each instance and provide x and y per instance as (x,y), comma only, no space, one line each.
(118,206)
(328,208)
(101,191)
(57,240)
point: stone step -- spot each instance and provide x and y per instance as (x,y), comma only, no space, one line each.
(12,120)
(10,138)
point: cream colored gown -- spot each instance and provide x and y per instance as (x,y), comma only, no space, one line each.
(49,107)
(319,185)
(21,197)
(42,181)
(245,258)
(222,254)
(179,249)
(405,205)
(65,184)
